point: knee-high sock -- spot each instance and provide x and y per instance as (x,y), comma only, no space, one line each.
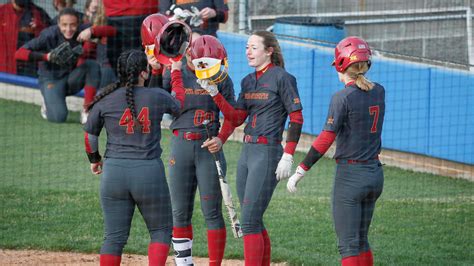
(253,249)
(350,261)
(89,94)
(182,245)
(267,248)
(216,240)
(157,254)
(366,258)
(110,260)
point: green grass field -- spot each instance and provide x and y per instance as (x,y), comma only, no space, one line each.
(50,201)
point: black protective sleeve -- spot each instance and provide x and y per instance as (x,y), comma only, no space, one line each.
(311,157)
(294,132)
(94,157)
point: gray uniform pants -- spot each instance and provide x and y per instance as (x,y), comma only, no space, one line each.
(190,167)
(126,183)
(256,181)
(54,91)
(356,189)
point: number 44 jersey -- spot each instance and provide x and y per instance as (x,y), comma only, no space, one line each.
(129,138)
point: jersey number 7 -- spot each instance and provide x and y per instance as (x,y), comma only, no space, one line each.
(374,110)
(143,118)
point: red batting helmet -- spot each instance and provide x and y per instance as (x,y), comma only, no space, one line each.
(351,50)
(172,42)
(208,55)
(151,26)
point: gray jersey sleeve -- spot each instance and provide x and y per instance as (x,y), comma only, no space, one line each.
(227,90)
(95,121)
(337,113)
(288,91)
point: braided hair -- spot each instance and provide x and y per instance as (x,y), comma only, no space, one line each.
(129,66)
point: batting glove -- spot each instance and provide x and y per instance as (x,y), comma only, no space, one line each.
(210,88)
(284,166)
(294,179)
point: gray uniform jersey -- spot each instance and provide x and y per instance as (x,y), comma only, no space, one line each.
(268,102)
(125,138)
(198,105)
(356,116)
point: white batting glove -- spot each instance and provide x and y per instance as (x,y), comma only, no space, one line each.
(294,179)
(210,88)
(284,166)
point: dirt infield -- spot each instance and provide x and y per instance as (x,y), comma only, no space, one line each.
(38,257)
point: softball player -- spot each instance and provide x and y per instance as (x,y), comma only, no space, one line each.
(355,120)
(192,166)
(268,96)
(133,173)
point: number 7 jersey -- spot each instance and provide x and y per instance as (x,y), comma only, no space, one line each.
(356,116)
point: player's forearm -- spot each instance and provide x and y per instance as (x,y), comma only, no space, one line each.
(294,132)
(235,116)
(103,31)
(91,143)
(319,147)
(226,130)
(177,86)
(24,54)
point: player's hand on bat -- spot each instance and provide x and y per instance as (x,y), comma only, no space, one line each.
(85,35)
(207,13)
(294,179)
(96,168)
(213,145)
(284,166)
(206,85)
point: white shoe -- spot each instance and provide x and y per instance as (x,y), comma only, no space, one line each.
(43,111)
(84,115)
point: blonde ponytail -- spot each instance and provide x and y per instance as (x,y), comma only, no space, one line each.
(356,72)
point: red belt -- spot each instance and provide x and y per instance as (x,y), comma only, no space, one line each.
(188,135)
(255,139)
(356,161)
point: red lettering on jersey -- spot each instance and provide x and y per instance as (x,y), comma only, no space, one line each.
(201,115)
(374,110)
(128,121)
(256,96)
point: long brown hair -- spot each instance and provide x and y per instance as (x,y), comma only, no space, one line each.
(356,72)
(270,41)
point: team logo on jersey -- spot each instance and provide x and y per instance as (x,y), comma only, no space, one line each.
(330,121)
(172,161)
(296,101)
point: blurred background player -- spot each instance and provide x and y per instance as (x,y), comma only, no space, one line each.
(127,18)
(20,21)
(191,165)
(268,96)
(355,120)
(58,81)
(62,4)
(96,48)
(133,173)
(211,13)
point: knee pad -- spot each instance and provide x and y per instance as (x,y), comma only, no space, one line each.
(183,251)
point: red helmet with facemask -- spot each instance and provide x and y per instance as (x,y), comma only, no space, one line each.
(172,42)
(349,51)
